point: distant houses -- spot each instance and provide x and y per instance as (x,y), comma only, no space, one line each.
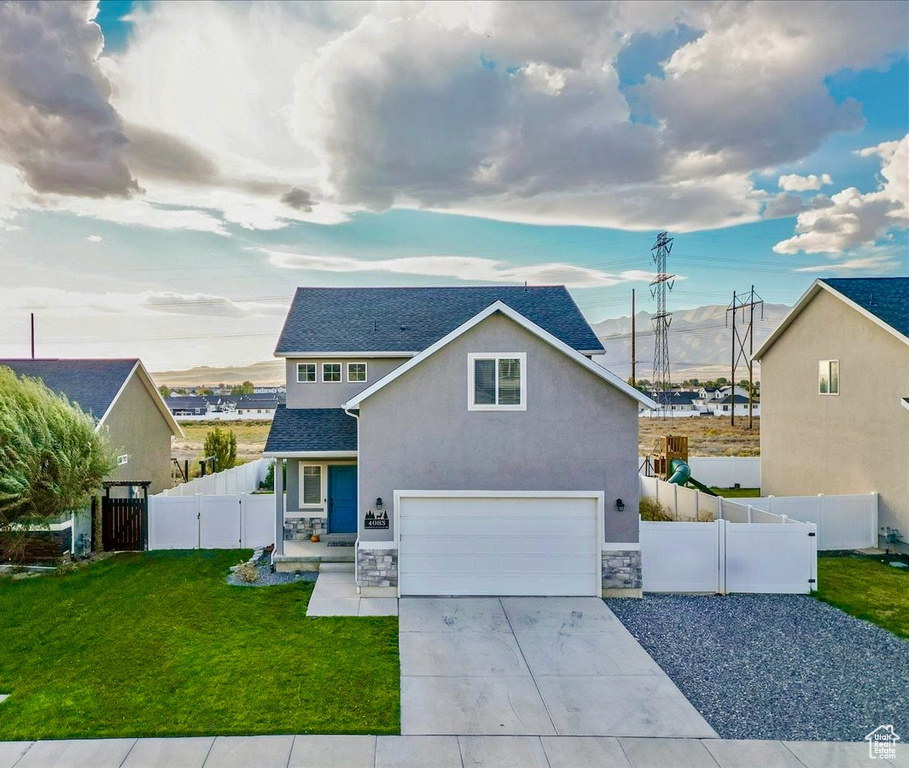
(705,401)
(219,407)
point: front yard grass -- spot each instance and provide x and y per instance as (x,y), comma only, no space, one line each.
(866,588)
(157,644)
(737,493)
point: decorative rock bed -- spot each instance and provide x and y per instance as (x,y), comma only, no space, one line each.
(265,575)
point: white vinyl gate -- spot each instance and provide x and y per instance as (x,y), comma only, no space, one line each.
(498,543)
(729,557)
(231,521)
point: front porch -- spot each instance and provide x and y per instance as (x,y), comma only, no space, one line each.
(309,555)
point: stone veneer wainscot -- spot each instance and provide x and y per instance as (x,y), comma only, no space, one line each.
(377,566)
(301,528)
(622,570)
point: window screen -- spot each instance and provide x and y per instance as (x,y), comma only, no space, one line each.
(312,485)
(484,382)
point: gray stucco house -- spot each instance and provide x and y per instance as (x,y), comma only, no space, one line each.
(463,437)
(835,396)
(123,401)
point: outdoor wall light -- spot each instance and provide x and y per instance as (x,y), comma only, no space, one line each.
(379,503)
(619,505)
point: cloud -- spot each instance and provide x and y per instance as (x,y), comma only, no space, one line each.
(94,238)
(56,122)
(873,264)
(298,199)
(855,219)
(794,183)
(788,204)
(470,268)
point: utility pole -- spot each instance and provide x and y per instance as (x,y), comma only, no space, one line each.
(633,352)
(742,302)
(661,321)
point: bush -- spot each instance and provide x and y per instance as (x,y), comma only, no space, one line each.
(652,511)
(268,484)
(248,572)
(52,459)
(222,444)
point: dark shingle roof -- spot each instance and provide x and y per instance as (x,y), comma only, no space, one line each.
(311,429)
(186,402)
(93,384)
(728,399)
(887,298)
(411,319)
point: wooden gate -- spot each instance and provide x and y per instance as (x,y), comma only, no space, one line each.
(124,521)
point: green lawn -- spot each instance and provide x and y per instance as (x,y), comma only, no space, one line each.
(866,588)
(737,493)
(158,644)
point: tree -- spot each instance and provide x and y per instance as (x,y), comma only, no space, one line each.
(222,444)
(51,455)
(164,390)
(246,388)
(206,391)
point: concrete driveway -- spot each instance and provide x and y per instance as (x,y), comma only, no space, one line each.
(532,666)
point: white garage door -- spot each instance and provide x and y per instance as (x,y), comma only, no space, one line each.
(470,544)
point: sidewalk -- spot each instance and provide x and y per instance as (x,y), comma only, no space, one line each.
(436,752)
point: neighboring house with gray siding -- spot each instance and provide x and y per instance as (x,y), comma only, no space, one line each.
(834,382)
(463,437)
(122,399)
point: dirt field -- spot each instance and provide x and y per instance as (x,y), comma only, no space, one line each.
(707,435)
(250,436)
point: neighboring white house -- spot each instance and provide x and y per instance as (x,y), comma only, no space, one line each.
(834,378)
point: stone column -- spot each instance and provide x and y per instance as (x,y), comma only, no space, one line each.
(279,506)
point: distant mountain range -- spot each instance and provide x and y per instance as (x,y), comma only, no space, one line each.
(700,342)
(700,345)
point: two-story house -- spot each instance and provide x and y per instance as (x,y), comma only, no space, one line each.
(463,437)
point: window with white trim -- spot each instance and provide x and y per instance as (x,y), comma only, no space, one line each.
(356,372)
(310,485)
(306,372)
(497,382)
(122,459)
(331,371)
(828,377)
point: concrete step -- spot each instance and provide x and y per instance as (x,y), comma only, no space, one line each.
(336,568)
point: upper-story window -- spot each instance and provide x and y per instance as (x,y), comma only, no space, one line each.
(497,382)
(356,372)
(828,377)
(331,371)
(306,372)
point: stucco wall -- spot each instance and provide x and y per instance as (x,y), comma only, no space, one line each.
(854,442)
(318,394)
(578,432)
(137,428)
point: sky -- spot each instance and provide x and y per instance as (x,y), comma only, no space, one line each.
(170,172)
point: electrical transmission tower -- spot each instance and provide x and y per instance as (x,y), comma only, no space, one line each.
(743,336)
(661,321)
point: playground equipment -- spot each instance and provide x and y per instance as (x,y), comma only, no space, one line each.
(669,461)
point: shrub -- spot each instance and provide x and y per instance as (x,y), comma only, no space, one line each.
(651,510)
(248,572)
(268,484)
(222,444)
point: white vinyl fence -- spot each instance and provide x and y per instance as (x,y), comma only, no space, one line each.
(722,557)
(843,522)
(227,521)
(243,479)
(724,471)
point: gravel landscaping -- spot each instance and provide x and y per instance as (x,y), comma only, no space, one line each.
(269,579)
(775,666)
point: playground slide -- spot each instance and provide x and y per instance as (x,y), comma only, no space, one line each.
(681,475)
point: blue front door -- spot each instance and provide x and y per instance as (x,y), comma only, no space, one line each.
(342,499)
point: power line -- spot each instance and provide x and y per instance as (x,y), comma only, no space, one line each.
(662,319)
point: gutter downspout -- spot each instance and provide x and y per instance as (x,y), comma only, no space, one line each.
(357,542)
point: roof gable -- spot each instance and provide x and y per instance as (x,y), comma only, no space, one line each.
(883,300)
(94,385)
(408,320)
(528,325)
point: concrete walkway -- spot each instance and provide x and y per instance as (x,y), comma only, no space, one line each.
(335,594)
(543,666)
(436,752)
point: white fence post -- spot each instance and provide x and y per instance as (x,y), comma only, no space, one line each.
(719,504)
(721,556)
(675,501)
(749,513)
(697,506)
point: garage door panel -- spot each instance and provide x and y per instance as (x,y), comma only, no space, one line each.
(493,525)
(492,564)
(505,545)
(488,545)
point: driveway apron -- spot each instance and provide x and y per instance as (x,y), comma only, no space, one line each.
(540,666)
